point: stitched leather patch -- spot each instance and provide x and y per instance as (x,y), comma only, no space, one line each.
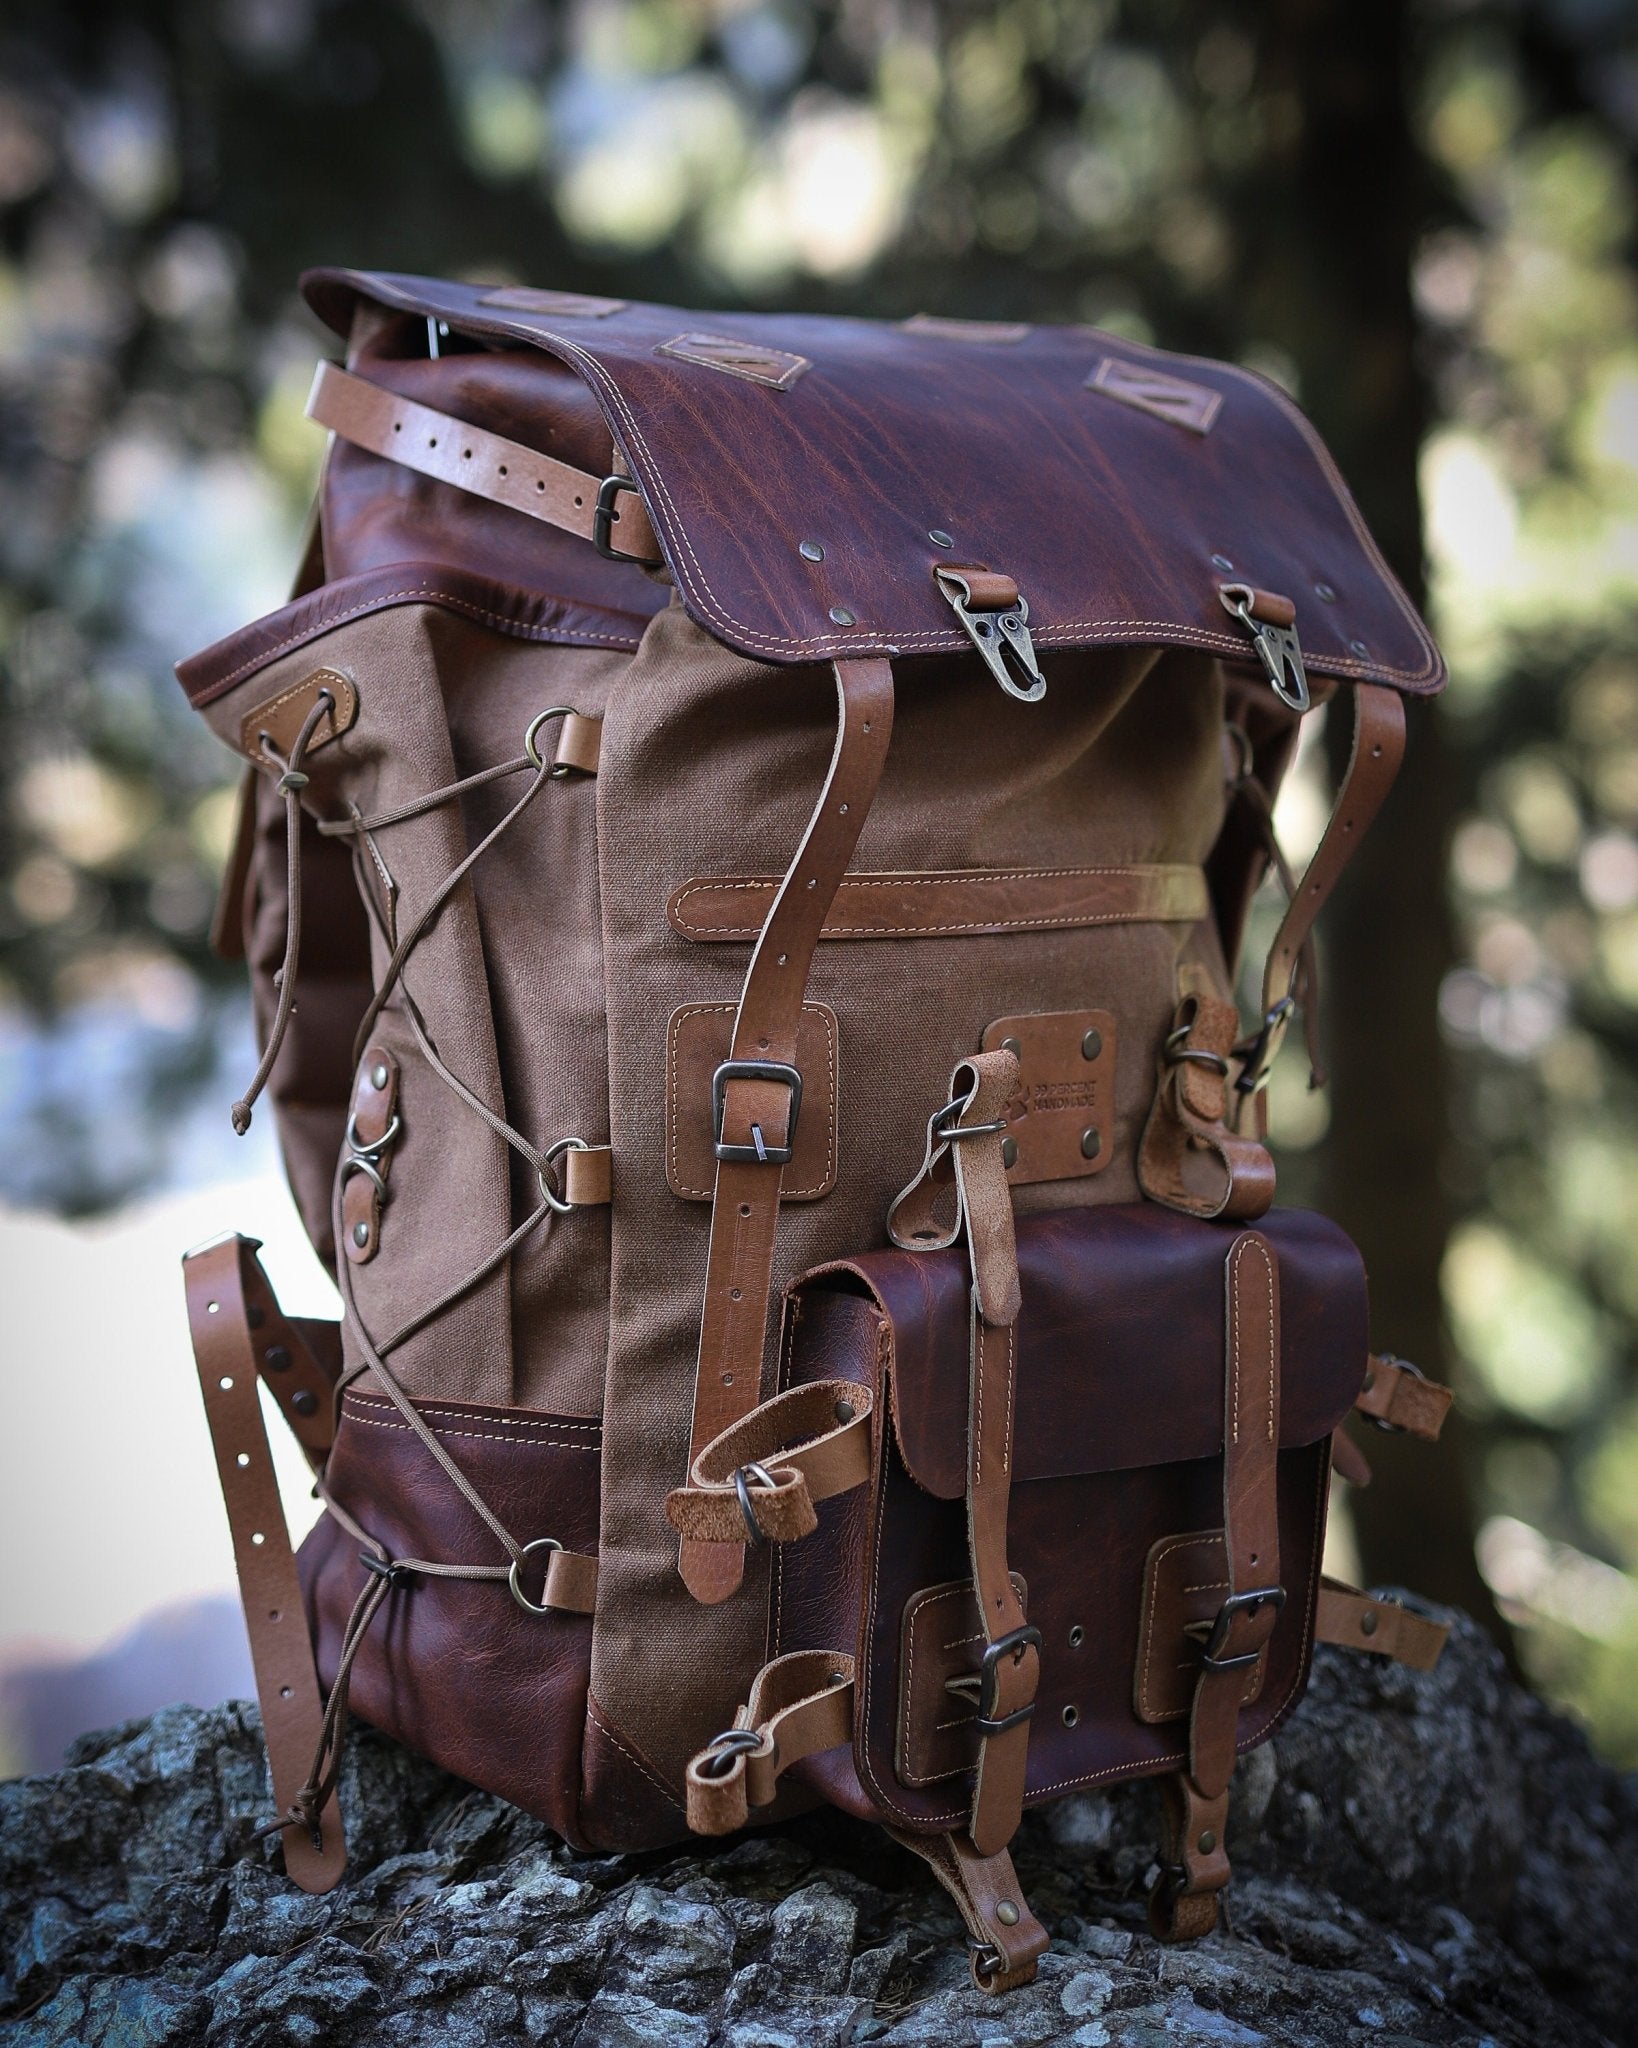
(752,360)
(990,331)
(1060,1120)
(282,717)
(517,298)
(1154,391)
(696,1044)
(941,1639)
(1184,1581)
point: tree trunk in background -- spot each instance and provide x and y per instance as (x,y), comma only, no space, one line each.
(1351,179)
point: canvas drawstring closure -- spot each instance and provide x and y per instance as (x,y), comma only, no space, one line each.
(292,781)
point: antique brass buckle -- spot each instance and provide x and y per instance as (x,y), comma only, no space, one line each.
(996,635)
(1278,648)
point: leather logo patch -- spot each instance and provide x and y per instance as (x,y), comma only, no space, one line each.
(1154,391)
(1061,1117)
(749,359)
(517,298)
(991,331)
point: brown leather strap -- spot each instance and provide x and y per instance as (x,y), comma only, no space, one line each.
(758,1110)
(1007,1939)
(964,1151)
(229,1303)
(1189,1159)
(800,1705)
(488,465)
(1378,749)
(828,1422)
(1396,1396)
(1357,1621)
(1244,1623)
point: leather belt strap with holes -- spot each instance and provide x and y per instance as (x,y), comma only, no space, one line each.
(238,1333)
(757,1096)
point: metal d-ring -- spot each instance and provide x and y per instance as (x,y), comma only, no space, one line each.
(535,723)
(372,1151)
(743,1477)
(559,1204)
(359,1162)
(514,1581)
(717,1758)
(1178,1049)
(1381,1422)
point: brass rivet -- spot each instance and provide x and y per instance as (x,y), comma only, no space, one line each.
(379,1076)
(1325,593)
(1007,1913)
(1077,1636)
(811,551)
(1009,1153)
(1092,1045)
(277,1358)
(1071,1716)
(1011,1045)
(940,538)
(1222,562)
(845,1411)
(841,616)
(1091,1144)
(1208,1842)
(361,1235)
(1367,1622)
(304,1403)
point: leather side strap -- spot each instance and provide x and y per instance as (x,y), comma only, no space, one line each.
(800,1705)
(829,1423)
(1197,1809)
(228,1299)
(759,1104)
(1396,1396)
(1378,749)
(1007,1939)
(434,444)
(1187,1124)
(1357,1621)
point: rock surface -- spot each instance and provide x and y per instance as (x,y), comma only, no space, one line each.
(1419,1858)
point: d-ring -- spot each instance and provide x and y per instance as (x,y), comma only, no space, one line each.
(554,1153)
(356,1145)
(361,1162)
(535,723)
(744,1476)
(514,1583)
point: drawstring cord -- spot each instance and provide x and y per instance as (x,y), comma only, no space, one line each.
(291,783)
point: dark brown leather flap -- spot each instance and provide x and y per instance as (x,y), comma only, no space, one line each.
(1113,481)
(1120,1343)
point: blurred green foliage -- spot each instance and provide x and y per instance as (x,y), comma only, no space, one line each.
(166,169)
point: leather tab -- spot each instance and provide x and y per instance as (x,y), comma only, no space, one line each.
(1189,1159)
(280,718)
(1397,1397)
(800,1705)
(1358,1621)
(221,1315)
(372,1132)
(1007,1939)
(1060,1115)
(827,1425)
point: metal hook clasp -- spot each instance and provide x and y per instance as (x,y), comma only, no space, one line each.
(1278,648)
(996,633)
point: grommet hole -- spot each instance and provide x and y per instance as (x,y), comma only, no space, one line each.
(1071,1716)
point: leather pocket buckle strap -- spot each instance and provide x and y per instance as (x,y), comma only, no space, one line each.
(605,515)
(1013,1644)
(1249,1602)
(760,1153)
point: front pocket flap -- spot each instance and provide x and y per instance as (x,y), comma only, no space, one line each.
(1120,1343)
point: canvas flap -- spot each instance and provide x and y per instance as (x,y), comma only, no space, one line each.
(1119,485)
(1120,1343)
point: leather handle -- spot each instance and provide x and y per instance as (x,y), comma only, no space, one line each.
(224,1319)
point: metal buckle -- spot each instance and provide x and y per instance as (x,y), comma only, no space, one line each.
(604,516)
(995,635)
(1013,1644)
(759,1153)
(1238,1603)
(1278,648)
(743,1477)
(1258,1053)
(716,1760)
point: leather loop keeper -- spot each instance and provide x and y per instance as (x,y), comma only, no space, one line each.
(1356,1621)
(588,1176)
(984,1888)
(571,1583)
(830,1456)
(221,1315)
(800,1705)
(505,472)
(579,743)
(1402,1399)
(1189,1118)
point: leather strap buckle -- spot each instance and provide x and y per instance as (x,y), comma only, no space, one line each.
(1236,1604)
(1013,1644)
(604,515)
(760,1153)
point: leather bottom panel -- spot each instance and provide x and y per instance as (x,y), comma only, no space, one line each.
(455,1668)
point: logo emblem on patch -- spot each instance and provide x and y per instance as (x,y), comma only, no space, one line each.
(1155,391)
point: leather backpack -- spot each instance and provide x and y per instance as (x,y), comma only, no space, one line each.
(747,837)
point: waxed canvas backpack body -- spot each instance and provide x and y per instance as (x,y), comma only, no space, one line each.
(747,836)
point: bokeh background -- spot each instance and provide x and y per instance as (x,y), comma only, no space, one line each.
(1417,217)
